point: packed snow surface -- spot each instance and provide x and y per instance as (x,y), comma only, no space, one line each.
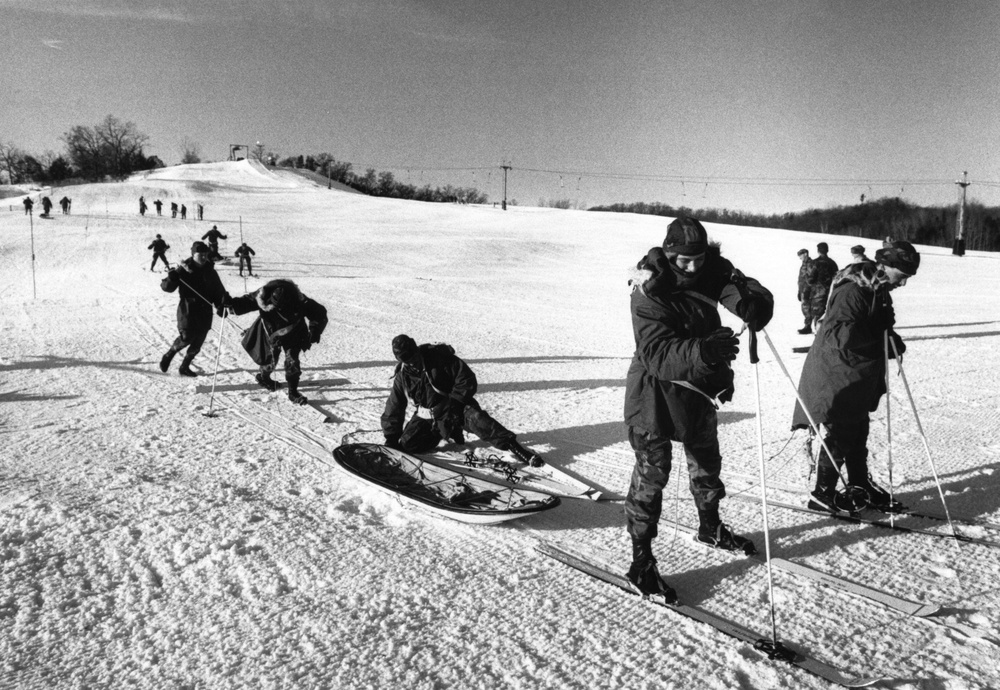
(146,544)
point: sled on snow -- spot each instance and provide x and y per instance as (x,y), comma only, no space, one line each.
(437,489)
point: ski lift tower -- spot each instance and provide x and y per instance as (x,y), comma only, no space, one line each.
(234,152)
(506,167)
(958,248)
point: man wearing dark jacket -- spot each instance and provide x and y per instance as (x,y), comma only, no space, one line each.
(199,288)
(293,323)
(806,270)
(433,377)
(159,248)
(213,236)
(680,369)
(244,252)
(823,270)
(843,377)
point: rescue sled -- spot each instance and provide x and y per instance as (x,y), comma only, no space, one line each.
(439,490)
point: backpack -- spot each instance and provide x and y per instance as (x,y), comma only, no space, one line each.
(256,342)
(419,435)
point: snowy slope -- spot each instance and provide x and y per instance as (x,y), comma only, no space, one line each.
(143,544)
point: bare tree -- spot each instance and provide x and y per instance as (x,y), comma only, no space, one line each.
(190,151)
(11,158)
(111,148)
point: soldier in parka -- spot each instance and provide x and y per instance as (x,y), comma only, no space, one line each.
(199,288)
(432,376)
(823,270)
(292,322)
(679,374)
(159,247)
(843,377)
(806,270)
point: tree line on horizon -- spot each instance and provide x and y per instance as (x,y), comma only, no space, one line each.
(873,220)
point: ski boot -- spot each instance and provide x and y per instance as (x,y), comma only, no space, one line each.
(644,576)
(825,497)
(264,380)
(711,532)
(167,359)
(805,330)
(879,499)
(185,368)
(525,455)
(293,391)
(823,501)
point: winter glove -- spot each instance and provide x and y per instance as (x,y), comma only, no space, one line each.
(756,311)
(900,346)
(313,336)
(392,442)
(721,346)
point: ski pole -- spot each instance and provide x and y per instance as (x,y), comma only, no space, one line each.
(215,374)
(812,422)
(31,221)
(923,437)
(754,359)
(888,424)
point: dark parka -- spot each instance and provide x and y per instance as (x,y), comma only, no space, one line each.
(444,381)
(158,246)
(668,322)
(196,286)
(843,378)
(298,323)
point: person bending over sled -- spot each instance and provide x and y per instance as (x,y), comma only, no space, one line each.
(288,321)
(433,377)
(680,367)
(843,377)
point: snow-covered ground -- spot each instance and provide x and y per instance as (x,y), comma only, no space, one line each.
(143,544)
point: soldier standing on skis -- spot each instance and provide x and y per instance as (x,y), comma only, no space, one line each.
(28,205)
(159,207)
(843,377)
(291,322)
(199,287)
(823,270)
(213,236)
(244,252)
(142,206)
(433,377)
(680,367)
(159,247)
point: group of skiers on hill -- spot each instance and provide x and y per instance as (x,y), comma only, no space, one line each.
(680,374)
(244,252)
(64,204)
(174,209)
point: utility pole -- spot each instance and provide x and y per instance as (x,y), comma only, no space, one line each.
(958,248)
(505,167)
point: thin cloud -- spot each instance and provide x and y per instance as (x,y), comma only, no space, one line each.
(53,43)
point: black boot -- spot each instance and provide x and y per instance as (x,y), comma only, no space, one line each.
(524,455)
(824,496)
(185,367)
(878,498)
(806,330)
(712,532)
(264,380)
(643,574)
(293,391)
(166,359)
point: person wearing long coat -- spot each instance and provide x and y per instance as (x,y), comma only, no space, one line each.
(292,324)
(843,378)
(159,247)
(806,271)
(679,374)
(200,289)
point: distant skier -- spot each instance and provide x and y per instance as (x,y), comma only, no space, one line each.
(199,288)
(28,205)
(173,209)
(433,377)
(159,207)
(806,270)
(213,237)
(244,252)
(142,206)
(201,211)
(46,205)
(680,368)
(64,203)
(159,248)
(293,323)
(858,254)
(184,212)
(843,377)
(824,269)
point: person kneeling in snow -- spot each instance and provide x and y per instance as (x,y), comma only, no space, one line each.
(291,322)
(680,368)
(199,287)
(843,377)
(432,376)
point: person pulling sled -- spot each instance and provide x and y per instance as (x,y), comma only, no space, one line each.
(289,322)
(679,374)
(434,377)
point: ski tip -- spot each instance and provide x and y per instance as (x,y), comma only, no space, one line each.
(926,610)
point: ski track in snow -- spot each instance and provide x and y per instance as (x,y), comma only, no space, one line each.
(144,544)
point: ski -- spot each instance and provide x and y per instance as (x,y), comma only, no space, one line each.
(859,518)
(727,627)
(911,608)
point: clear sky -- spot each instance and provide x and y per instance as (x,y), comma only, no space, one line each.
(763,106)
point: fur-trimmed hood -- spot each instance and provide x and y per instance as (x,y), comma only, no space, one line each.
(279,295)
(654,274)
